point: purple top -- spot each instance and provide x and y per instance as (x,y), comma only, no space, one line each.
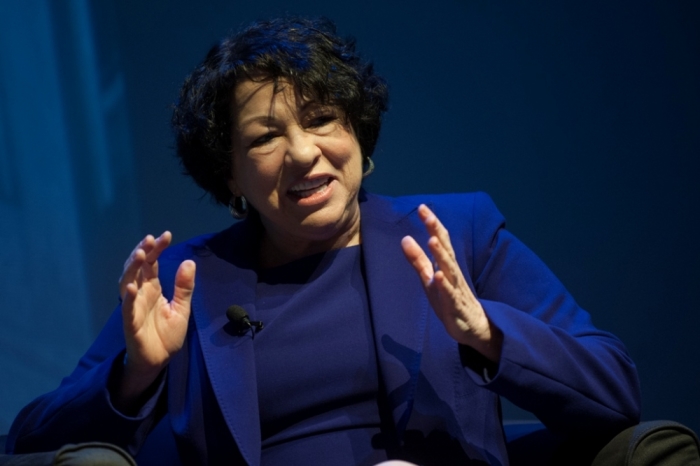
(316,362)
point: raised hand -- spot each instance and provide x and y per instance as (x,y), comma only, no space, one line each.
(154,328)
(447,290)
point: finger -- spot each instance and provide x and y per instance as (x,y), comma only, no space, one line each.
(435,227)
(160,243)
(418,259)
(146,244)
(444,288)
(128,309)
(141,250)
(184,287)
(150,267)
(444,259)
(131,270)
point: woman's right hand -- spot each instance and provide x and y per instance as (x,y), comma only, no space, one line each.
(154,329)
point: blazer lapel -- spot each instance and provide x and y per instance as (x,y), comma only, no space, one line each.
(225,276)
(398,303)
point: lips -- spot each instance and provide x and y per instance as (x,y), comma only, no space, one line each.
(308,188)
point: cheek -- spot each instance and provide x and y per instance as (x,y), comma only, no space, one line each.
(347,152)
(355,161)
(258,178)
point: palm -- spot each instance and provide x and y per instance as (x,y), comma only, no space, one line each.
(158,328)
(154,328)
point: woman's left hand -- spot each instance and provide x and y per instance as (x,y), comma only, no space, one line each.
(448,292)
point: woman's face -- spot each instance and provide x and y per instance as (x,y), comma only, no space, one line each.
(297,162)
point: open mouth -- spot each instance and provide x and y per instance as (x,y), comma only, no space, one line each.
(308,188)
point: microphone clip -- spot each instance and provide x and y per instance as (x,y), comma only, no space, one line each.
(240,321)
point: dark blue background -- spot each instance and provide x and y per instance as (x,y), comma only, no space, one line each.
(581,119)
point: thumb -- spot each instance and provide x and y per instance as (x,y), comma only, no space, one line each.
(184,286)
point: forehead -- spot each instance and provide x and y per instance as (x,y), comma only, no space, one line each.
(262,97)
(269,97)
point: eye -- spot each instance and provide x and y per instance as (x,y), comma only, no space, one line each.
(321,120)
(321,115)
(262,140)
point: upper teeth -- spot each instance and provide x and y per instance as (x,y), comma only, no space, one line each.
(309,184)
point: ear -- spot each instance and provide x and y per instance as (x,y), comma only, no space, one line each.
(233,187)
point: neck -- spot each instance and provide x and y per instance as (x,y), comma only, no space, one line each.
(281,249)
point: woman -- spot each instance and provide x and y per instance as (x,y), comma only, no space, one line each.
(391,325)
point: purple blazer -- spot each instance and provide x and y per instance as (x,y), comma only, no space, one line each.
(575,378)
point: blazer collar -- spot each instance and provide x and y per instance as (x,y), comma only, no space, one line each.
(226,276)
(398,303)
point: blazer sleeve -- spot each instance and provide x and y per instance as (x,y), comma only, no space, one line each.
(80,410)
(554,363)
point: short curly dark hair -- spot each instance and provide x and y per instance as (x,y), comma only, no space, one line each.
(305,52)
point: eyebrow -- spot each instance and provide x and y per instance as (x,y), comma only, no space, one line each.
(262,119)
(268,119)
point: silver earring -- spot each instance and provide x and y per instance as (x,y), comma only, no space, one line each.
(368,167)
(238,207)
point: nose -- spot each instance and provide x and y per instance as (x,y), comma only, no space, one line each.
(302,149)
